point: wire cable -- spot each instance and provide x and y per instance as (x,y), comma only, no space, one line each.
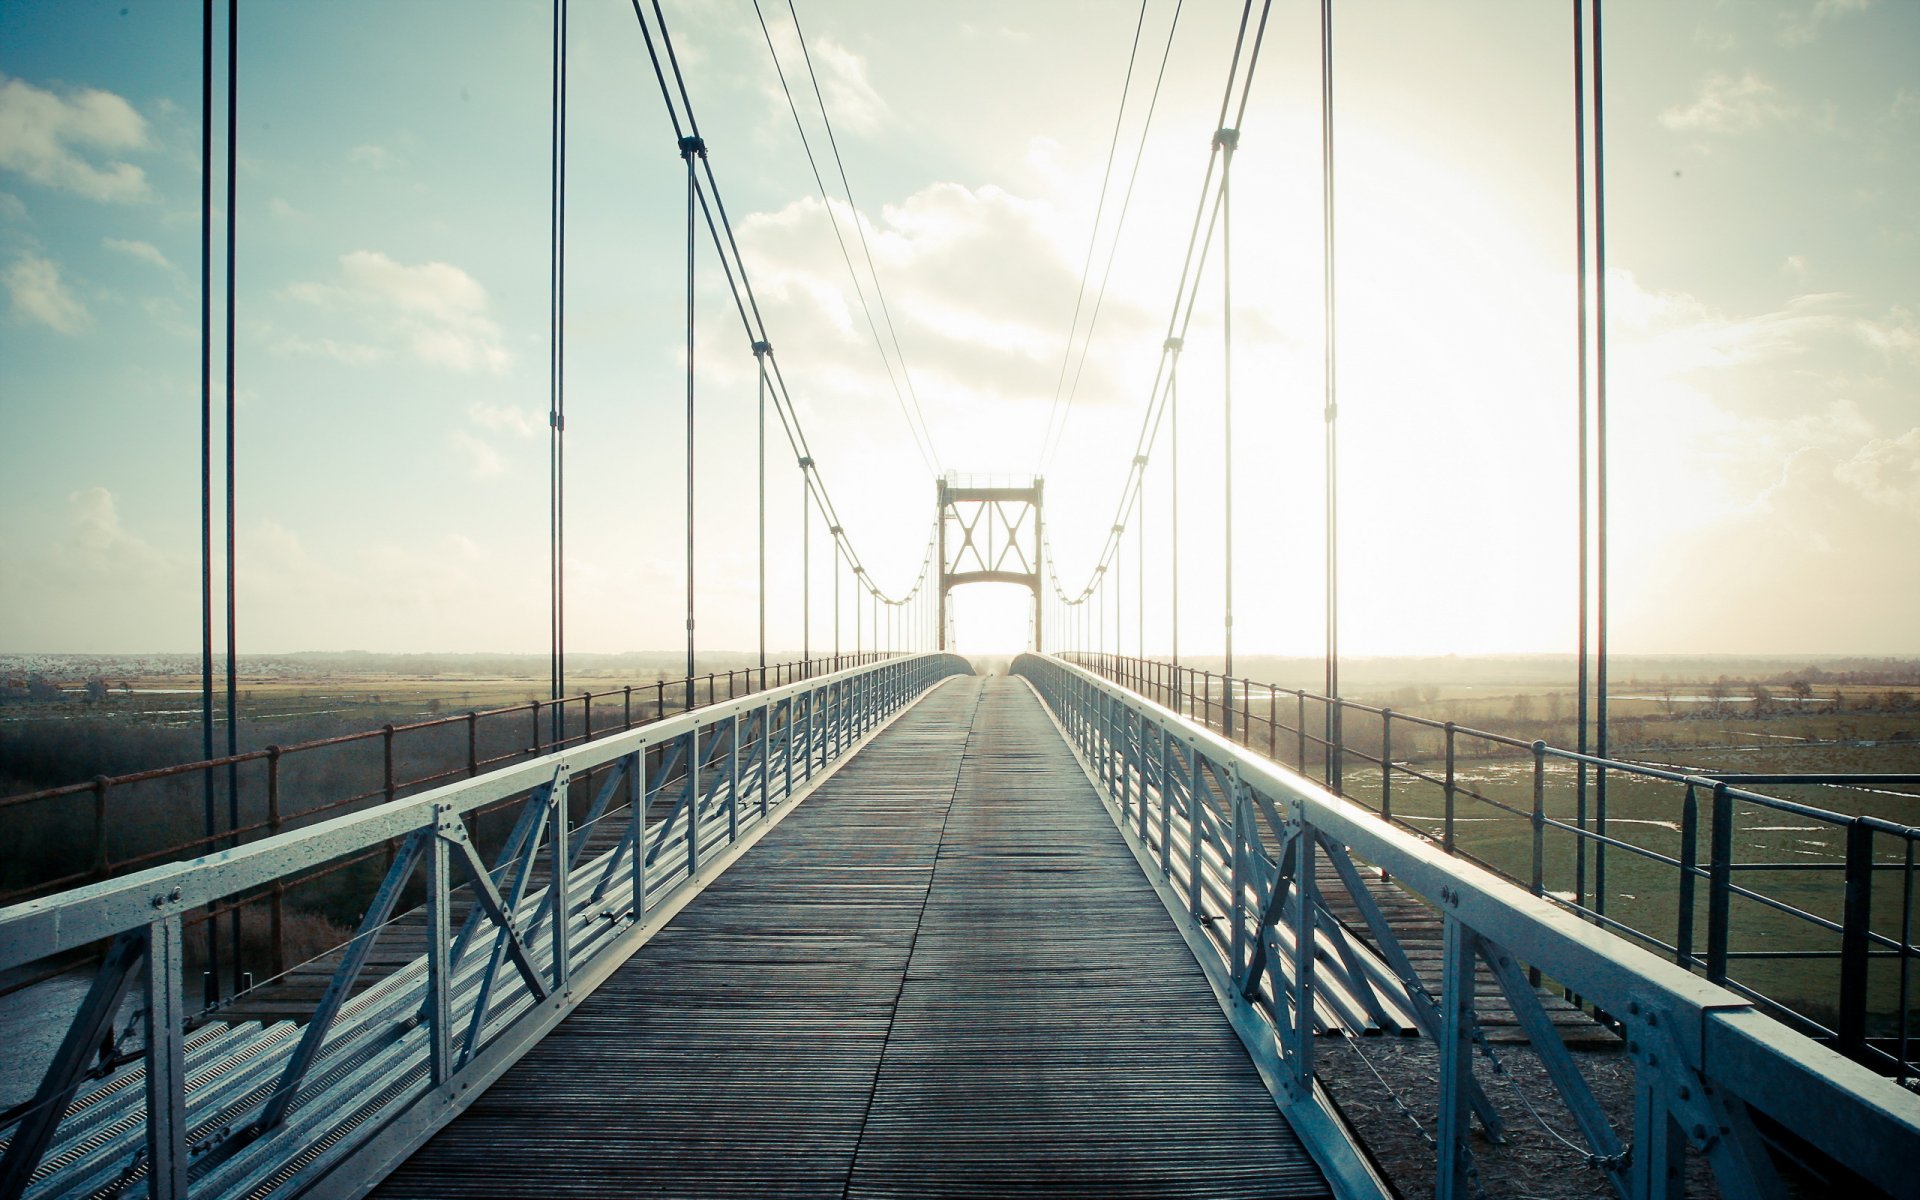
(845,255)
(913,397)
(1093,238)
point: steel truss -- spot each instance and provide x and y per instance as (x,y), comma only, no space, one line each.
(1233,843)
(989,533)
(328,1105)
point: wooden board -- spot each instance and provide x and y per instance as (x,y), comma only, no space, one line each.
(942,975)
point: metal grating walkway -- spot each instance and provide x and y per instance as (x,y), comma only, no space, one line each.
(942,975)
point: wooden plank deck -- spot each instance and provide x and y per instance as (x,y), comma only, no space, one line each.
(941,975)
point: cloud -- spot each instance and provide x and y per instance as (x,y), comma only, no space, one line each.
(483,461)
(378,157)
(146,252)
(1798,28)
(438,310)
(1727,105)
(1886,471)
(279,207)
(12,208)
(43,136)
(852,101)
(506,418)
(98,547)
(353,354)
(38,294)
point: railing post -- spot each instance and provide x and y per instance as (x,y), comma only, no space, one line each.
(1300,728)
(100,786)
(1446,840)
(1306,901)
(1689,868)
(1273,723)
(1855,926)
(1386,765)
(1451,1180)
(276,904)
(561,890)
(1237,884)
(536,729)
(167,1154)
(473,744)
(386,740)
(586,716)
(439,1009)
(1719,883)
(1538,878)
(626,707)
(1166,804)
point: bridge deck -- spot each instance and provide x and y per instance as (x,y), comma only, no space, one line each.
(942,975)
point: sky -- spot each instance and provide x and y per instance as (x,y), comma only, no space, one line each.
(392,340)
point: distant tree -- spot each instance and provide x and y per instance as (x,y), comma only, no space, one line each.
(1717,696)
(1802,690)
(1667,703)
(96,690)
(1762,700)
(1523,707)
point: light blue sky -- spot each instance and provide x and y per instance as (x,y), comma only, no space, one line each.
(1764,231)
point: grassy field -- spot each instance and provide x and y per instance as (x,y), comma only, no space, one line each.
(1781,716)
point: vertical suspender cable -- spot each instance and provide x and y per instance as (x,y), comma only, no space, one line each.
(206,452)
(760,350)
(1228,140)
(1600,462)
(233,723)
(690,149)
(1580,416)
(1173,506)
(556,368)
(1140,570)
(806,572)
(1334,740)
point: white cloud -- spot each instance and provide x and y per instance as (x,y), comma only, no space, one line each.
(146,252)
(852,101)
(38,294)
(44,137)
(353,354)
(437,309)
(483,461)
(378,157)
(12,208)
(1798,28)
(1728,105)
(279,207)
(507,418)
(1887,472)
(98,547)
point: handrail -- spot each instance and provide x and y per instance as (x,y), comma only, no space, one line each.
(730,771)
(1881,1037)
(1703,1054)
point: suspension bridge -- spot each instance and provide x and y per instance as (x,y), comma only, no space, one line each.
(877,924)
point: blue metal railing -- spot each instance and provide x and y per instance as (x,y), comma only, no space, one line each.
(215,1108)
(1232,840)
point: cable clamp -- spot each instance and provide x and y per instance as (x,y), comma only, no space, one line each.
(556,421)
(1174,344)
(806,463)
(762,348)
(690,146)
(1333,413)
(1226,139)
(1139,460)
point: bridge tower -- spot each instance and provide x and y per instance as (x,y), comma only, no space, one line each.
(990,532)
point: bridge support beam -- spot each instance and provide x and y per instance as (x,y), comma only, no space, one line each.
(989,533)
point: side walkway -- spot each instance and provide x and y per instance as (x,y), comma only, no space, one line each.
(942,975)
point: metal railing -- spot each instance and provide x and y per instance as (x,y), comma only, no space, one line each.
(1234,843)
(113,824)
(1818,931)
(214,1108)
